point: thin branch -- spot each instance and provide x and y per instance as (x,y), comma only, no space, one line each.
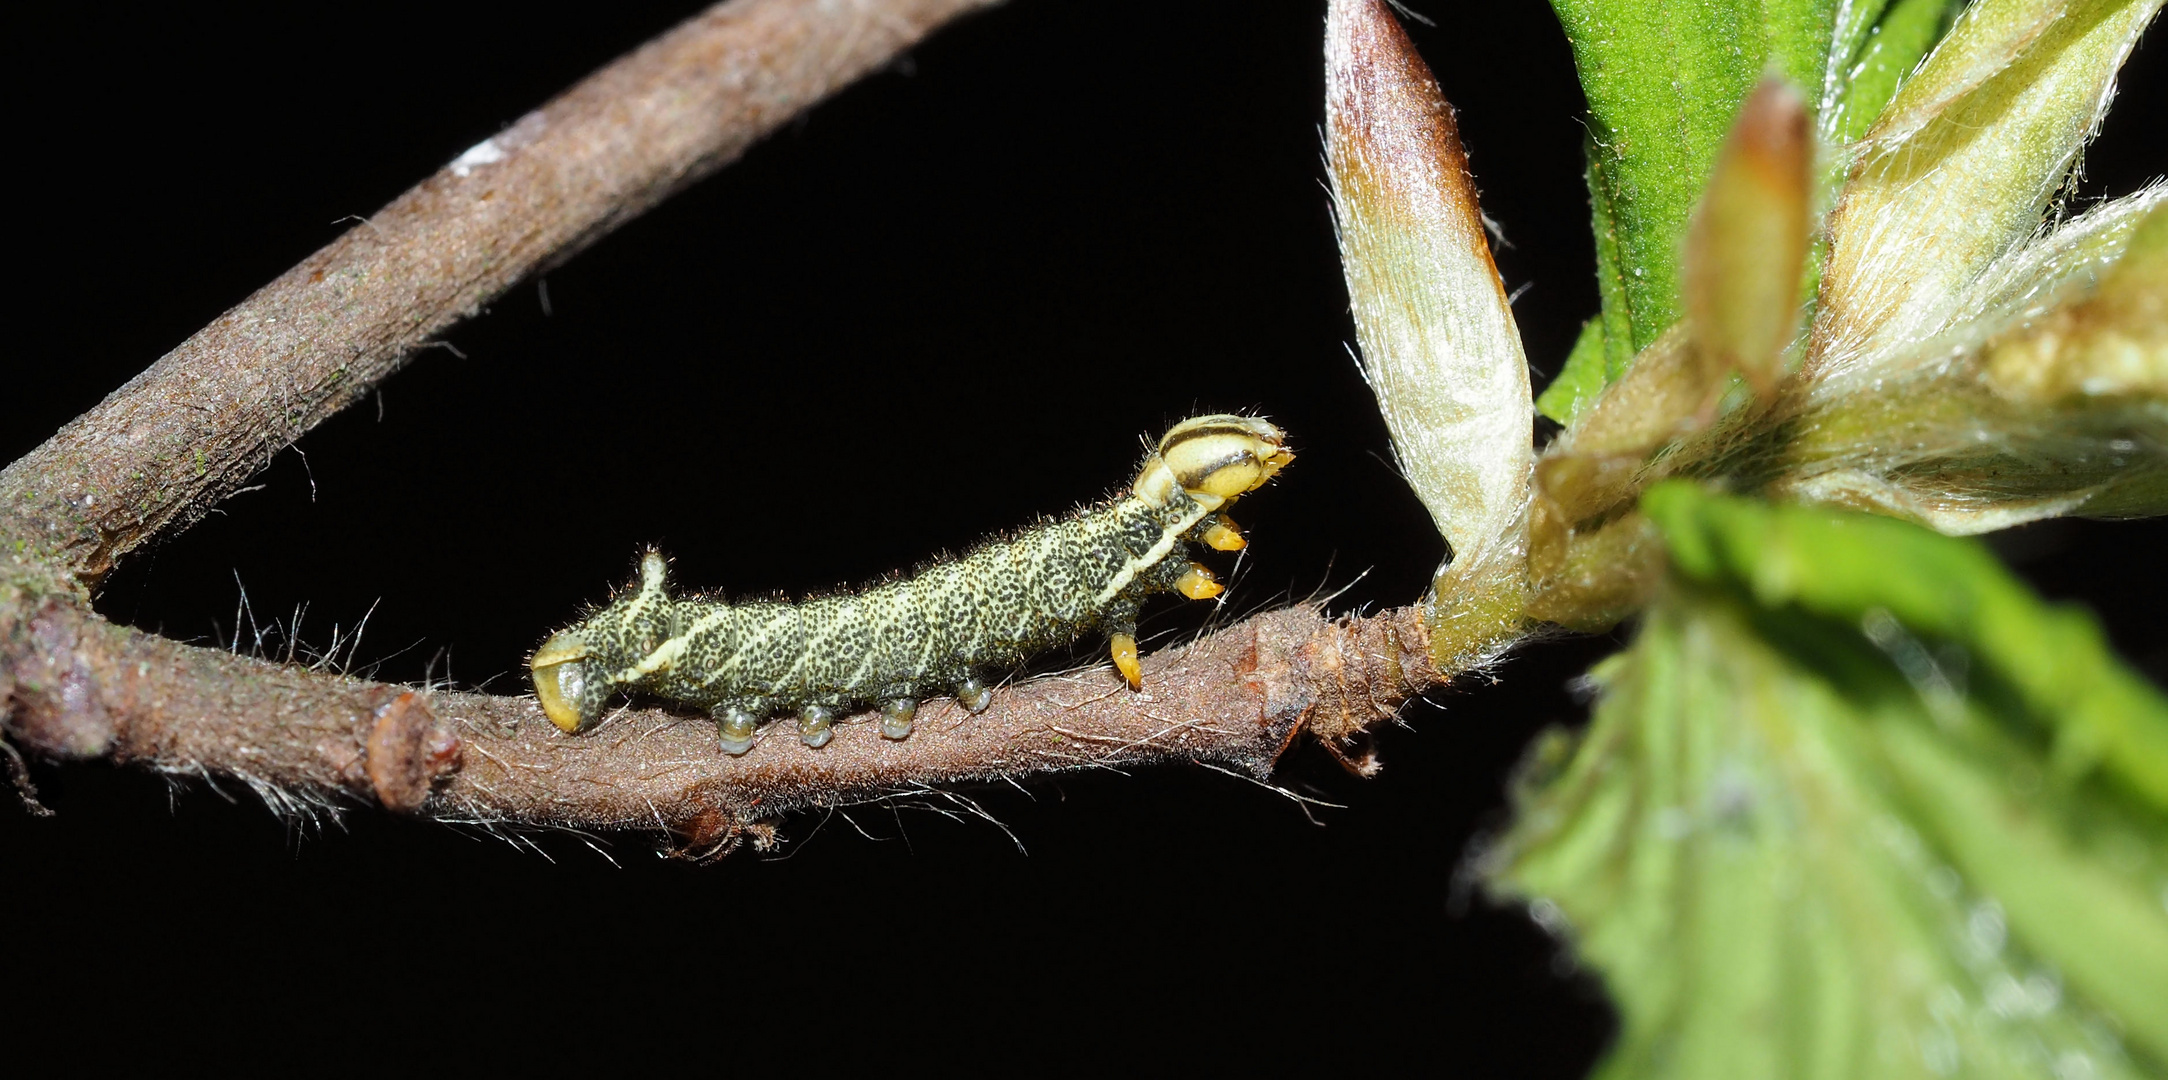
(82,688)
(159,452)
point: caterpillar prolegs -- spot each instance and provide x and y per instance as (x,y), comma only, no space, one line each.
(942,629)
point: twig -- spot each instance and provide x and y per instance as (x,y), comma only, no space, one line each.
(83,688)
(159,452)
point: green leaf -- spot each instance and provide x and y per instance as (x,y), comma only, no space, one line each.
(1663,82)
(1855,803)
(1851,566)
(1618,327)
(1891,49)
(2048,396)
(1955,173)
(1580,380)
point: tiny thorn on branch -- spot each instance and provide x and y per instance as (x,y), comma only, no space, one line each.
(77,687)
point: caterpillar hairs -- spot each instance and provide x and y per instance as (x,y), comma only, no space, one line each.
(942,629)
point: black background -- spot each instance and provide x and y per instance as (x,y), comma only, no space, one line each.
(1083,219)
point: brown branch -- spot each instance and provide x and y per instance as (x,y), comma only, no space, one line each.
(83,688)
(157,453)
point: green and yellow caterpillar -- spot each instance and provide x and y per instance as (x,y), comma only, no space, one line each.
(943,629)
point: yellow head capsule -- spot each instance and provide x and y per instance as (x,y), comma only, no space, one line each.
(560,680)
(1215,458)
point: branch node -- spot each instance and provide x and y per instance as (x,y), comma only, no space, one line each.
(55,699)
(716,832)
(408,751)
(1361,671)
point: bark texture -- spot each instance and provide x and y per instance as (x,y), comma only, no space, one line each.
(159,452)
(78,687)
(163,449)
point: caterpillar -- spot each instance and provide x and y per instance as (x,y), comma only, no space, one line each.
(942,629)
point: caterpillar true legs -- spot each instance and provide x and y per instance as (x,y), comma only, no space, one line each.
(939,630)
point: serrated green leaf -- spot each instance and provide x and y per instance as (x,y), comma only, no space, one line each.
(1849,566)
(1827,821)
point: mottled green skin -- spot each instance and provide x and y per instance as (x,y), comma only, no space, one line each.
(926,634)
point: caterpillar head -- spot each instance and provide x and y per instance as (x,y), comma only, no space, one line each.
(571,695)
(1213,459)
(580,667)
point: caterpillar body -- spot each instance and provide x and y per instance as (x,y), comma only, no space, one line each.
(940,630)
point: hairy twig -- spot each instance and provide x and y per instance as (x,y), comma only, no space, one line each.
(159,452)
(80,687)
